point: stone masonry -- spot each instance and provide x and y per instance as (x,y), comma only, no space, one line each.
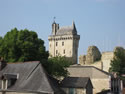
(93,54)
(103,63)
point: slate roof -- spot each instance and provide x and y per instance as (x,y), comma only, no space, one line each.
(67,30)
(90,67)
(75,82)
(32,78)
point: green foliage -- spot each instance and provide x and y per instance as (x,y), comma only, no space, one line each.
(57,66)
(22,45)
(118,62)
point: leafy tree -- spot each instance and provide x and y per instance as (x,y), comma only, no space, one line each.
(22,45)
(57,66)
(118,62)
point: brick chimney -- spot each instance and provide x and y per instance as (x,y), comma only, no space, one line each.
(2,63)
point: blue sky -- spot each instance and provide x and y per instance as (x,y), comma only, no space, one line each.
(98,22)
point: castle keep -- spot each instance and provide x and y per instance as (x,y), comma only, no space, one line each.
(64,41)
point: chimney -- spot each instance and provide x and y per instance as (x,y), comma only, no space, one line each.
(2,63)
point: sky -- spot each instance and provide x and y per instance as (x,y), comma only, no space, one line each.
(98,22)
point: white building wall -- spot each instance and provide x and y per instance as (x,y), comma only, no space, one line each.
(70,46)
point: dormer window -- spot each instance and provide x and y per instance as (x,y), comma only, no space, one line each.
(9,80)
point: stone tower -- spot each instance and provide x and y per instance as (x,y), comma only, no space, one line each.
(64,41)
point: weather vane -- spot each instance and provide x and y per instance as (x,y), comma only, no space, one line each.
(54,18)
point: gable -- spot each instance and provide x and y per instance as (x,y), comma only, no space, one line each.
(32,77)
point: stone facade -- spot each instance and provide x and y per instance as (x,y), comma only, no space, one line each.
(64,41)
(106,60)
(82,59)
(97,59)
(93,54)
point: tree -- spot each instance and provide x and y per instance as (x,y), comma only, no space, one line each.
(118,62)
(22,45)
(57,66)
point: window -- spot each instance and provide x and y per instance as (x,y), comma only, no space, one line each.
(63,51)
(56,43)
(71,90)
(9,80)
(62,43)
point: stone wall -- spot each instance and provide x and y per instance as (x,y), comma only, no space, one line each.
(82,59)
(106,60)
(93,54)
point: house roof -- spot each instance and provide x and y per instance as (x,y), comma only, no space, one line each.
(32,77)
(67,30)
(87,71)
(75,82)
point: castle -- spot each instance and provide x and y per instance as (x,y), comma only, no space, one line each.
(64,41)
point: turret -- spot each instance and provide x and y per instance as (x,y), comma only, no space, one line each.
(55,27)
(74,28)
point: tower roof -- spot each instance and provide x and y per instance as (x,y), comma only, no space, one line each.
(67,30)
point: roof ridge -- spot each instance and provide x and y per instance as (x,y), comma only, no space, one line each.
(91,67)
(32,71)
(45,73)
(23,62)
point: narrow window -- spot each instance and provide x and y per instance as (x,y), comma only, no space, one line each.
(62,43)
(63,51)
(56,43)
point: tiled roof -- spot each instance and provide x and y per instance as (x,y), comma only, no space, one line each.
(67,30)
(89,67)
(75,82)
(32,77)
